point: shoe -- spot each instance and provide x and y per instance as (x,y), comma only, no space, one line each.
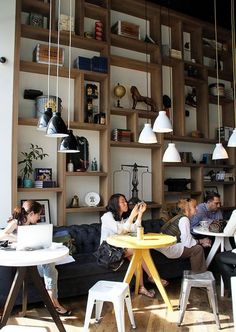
(163,281)
(61,313)
(149,293)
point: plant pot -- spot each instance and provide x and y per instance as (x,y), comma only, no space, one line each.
(28,183)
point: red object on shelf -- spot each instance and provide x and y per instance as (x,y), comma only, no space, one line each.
(98,30)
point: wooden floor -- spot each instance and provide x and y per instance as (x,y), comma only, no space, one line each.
(150,314)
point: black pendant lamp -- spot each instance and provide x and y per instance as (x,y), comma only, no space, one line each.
(44,119)
(69,144)
(56,126)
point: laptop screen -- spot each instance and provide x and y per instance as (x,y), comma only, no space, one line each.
(33,237)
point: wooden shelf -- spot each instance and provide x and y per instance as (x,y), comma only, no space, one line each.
(86,174)
(56,190)
(181,164)
(86,209)
(36,6)
(190,139)
(124,62)
(223,100)
(218,183)
(133,44)
(182,193)
(93,11)
(134,145)
(130,112)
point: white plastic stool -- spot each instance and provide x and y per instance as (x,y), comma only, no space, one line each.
(233,292)
(206,280)
(20,328)
(111,291)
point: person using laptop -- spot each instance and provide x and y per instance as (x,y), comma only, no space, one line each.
(29,214)
(209,210)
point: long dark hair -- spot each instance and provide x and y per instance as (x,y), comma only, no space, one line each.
(21,213)
(113,207)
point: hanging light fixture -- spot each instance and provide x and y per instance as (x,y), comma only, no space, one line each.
(219,151)
(46,116)
(56,126)
(232,139)
(147,136)
(171,155)
(69,144)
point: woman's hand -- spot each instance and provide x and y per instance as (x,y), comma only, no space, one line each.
(205,242)
(142,206)
(134,211)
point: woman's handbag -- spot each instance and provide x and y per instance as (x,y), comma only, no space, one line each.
(217,226)
(109,256)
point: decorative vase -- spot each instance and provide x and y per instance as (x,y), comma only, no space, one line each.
(28,183)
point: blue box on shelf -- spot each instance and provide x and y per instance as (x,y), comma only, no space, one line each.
(99,63)
(82,62)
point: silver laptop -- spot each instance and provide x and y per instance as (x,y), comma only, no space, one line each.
(33,237)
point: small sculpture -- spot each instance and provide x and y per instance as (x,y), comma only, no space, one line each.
(119,92)
(136,96)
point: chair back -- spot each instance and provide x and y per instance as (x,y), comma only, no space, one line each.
(230,228)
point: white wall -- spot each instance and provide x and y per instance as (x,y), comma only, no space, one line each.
(7,37)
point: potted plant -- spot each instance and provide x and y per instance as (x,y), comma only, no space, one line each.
(35,152)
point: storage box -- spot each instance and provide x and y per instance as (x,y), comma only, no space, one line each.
(40,54)
(100,64)
(82,62)
(126,29)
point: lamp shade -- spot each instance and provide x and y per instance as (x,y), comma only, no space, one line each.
(162,123)
(56,126)
(232,139)
(44,119)
(219,152)
(69,144)
(171,154)
(147,135)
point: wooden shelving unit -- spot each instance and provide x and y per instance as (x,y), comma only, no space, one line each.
(157,18)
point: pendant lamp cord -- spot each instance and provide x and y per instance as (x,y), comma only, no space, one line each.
(217,71)
(69,74)
(170,67)
(58,50)
(146,51)
(49,46)
(233,56)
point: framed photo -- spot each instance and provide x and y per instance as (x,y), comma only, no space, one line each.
(210,189)
(45,214)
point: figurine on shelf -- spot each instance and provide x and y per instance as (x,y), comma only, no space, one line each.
(74,202)
(119,92)
(136,96)
(94,165)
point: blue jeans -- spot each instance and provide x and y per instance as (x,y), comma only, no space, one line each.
(50,274)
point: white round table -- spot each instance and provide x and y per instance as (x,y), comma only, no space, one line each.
(221,240)
(26,263)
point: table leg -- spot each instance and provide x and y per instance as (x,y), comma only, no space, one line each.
(39,284)
(152,269)
(133,265)
(214,248)
(11,298)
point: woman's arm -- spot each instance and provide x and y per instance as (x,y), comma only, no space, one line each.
(185,237)
(7,233)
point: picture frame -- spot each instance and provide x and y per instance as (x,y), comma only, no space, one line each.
(45,214)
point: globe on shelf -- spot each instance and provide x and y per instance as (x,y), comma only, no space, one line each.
(119,92)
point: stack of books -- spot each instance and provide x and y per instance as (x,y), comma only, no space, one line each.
(121,135)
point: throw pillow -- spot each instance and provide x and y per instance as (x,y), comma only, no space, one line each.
(64,237)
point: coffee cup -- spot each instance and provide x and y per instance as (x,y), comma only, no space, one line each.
(204,224)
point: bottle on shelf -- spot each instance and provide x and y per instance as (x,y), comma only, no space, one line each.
(70,166)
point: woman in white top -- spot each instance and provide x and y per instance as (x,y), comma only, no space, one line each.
(119,220)
(29,214)
(186,246)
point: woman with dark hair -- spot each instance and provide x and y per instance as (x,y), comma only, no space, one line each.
(120,220)
(29,214)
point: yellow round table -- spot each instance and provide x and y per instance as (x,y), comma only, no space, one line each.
(141,250)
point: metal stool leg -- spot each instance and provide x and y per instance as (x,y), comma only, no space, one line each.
(98,310)
(129,309)
(120,314)
(184,300)
(89,310)
(214,303)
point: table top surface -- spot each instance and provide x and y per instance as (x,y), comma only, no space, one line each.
(34,257)
(200,230)
(151,240)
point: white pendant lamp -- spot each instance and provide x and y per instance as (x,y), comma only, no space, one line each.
(232,139)
(147,136)
(219,151)
(171,154)
(162,123)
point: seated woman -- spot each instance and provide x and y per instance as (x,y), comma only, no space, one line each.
(186,246)
(226,262)
(29,214)
(119,220)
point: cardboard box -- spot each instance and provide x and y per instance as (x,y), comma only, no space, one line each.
(126,29)
(40,54)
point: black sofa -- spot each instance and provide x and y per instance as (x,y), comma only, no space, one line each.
(78,277)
